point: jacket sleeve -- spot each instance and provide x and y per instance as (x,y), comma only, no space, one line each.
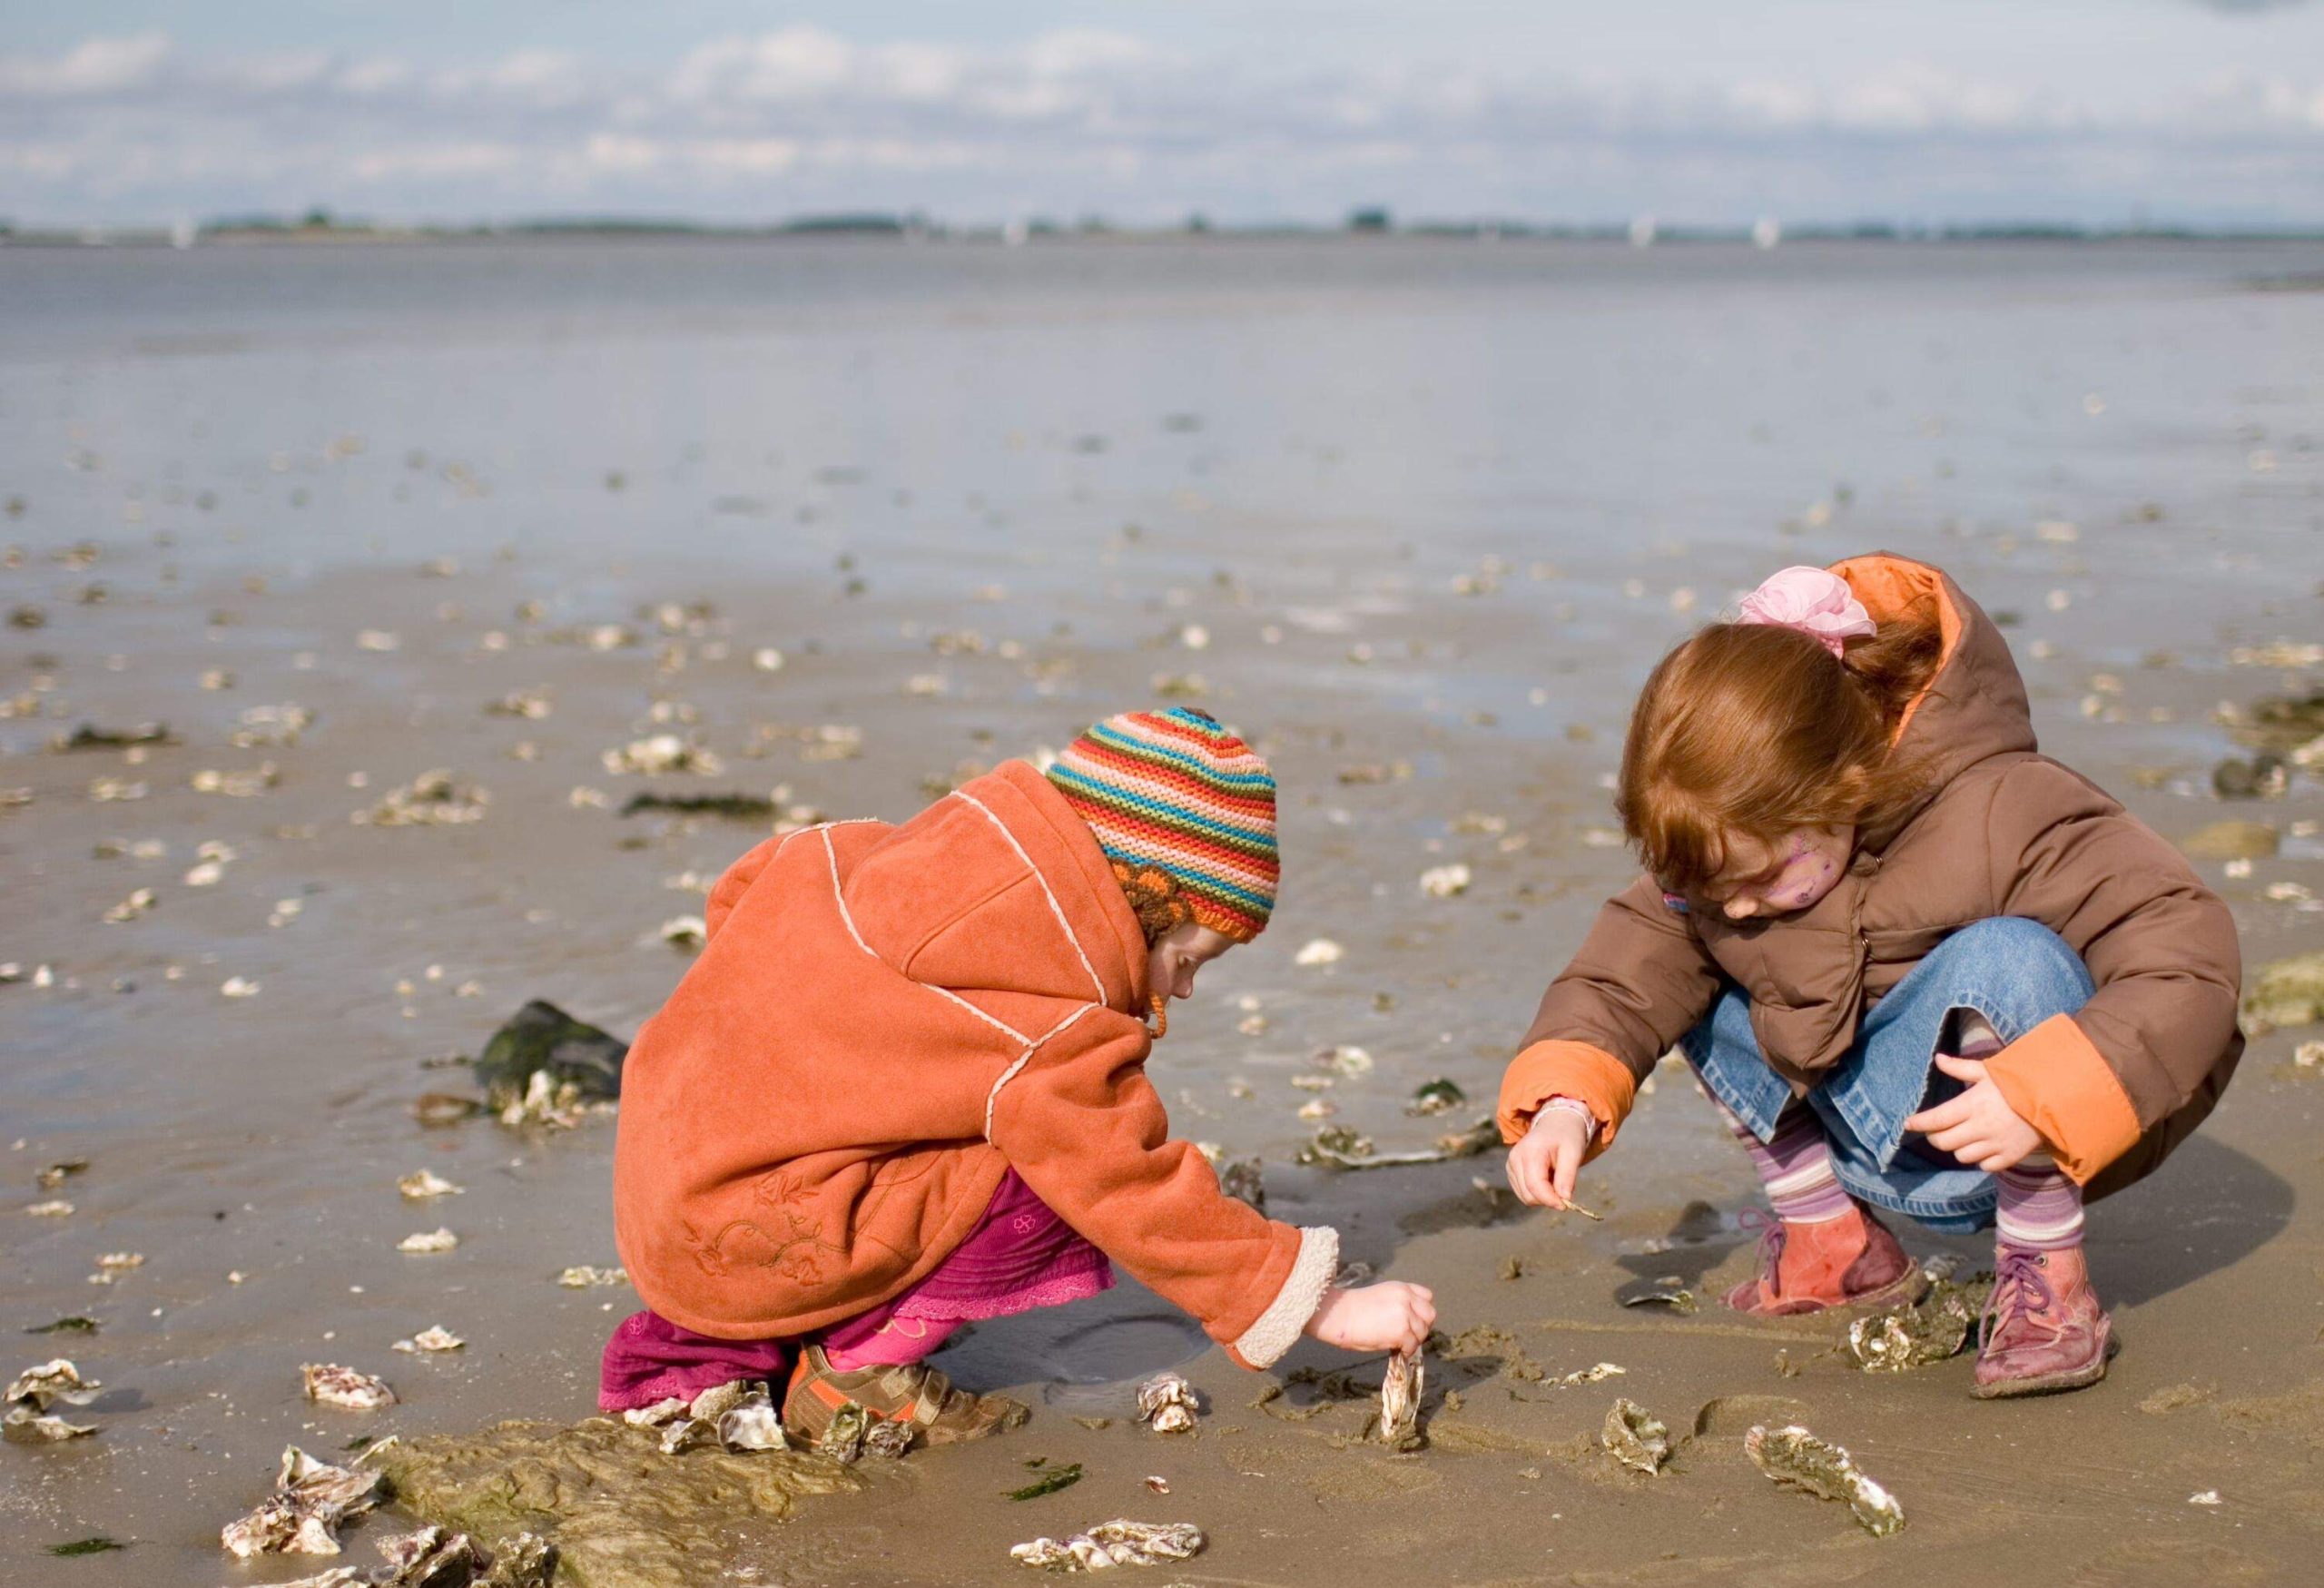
(1077,1119)
(2159,946)
(1641,981)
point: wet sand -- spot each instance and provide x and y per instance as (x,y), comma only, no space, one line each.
(1426,585)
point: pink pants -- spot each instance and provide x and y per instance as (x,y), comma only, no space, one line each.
(1020,1256)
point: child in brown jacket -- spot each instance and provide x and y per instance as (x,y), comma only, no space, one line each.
(904,1087)
(1917,965)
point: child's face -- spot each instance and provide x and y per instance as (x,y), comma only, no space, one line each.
(1177,954)
(1781,878)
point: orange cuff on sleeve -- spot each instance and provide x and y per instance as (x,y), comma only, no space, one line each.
(2059,1084)
(1569,1069)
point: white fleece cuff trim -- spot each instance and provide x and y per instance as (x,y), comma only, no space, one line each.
(1277,1328)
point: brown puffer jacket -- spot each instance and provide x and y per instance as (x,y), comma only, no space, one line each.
(2000,832)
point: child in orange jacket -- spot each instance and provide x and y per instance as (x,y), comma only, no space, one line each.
(904,1087)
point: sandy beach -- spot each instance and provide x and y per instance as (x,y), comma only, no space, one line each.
(850,522)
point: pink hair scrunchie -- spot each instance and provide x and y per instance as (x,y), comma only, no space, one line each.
(1815,601)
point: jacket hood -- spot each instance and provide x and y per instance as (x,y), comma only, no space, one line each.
(1003,858)
(1975,706)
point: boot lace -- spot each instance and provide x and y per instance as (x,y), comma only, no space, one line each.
(2020,1287)
(1769,1229)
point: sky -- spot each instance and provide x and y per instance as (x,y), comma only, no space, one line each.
(2206,113)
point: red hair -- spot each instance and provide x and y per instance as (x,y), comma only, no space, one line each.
(1753,729)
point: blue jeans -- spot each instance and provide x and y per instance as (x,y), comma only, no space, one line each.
(2016,973)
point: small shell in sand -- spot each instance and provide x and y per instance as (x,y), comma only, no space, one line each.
(1168,1404)
(428,1241)
(1400,1394)
(1118,1542)
(1793,1456)
(343,1386)
(422,1184)
(310,1499)
(435,1337)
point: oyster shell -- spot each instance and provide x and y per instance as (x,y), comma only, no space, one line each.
(1400,1394)
(431,1558)
(582,1277)
(343,1386)
(1168,1404)
(1118,1542)
(655,1415)
(422,1184)
(1581,1375)
(752,1423)
(892,1438)
(842,1441)
(1635,1438)
(1793,1456)
(428,1241)
(310,1499)
(36,1389)
(435,1337)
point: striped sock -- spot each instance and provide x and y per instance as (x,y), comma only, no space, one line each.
(1795,1165)
(2041,1208)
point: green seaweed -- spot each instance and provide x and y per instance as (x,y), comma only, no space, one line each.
(97,1545)
(621,1513)
(733,807)
(542,1036)
(74,1323)
(1049,1482)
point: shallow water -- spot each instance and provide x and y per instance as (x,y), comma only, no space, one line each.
(1310,450)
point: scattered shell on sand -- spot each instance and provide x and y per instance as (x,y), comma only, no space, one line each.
(659,1413)
(435,798)
(238,987)
(54,1207)
(843,1439)
(685,931)
(1435,1097)
(57,1173)
(582,1276)
(661,753)
(1603,1370)
(1344,1059)
(1168,1404)
(753,1423)
(310,1499)
(2285,993)
(1319,950)
(422,1184)
(1794,1457)
(428,1241)
(343,1386)
(890,1439)
(1118,1542)
(1445,881)
(131,908)
(36,1389)
(1399,1393)
(1635,1438)
(435,1337)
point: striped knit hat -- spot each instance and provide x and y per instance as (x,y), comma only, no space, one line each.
(1171,791)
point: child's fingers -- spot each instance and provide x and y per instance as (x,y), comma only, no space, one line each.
(1969,1070)
(1929,1122)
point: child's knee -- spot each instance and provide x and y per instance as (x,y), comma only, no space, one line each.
(2015,967)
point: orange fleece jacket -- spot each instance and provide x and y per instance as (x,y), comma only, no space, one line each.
(883,1019)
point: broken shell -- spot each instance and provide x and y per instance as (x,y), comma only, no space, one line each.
(842,1440)
(1590,1375)
(1321,950)
(752,1423)
(1445,881)
(582,1277)
(1793,1456)
(1244,1180)
(428,1241)
(344,1387)
(685,1433)
(54,1380)
(655,1415)
(54,1207)
(435,1337)
(1344,1059)
(685,931)
(1635,1438)
(1934,1330)
(23,1422)
(1400,1394)
(424,1183)
(310,1499)
(1435,1097)
(1168,1404)
(891,1438)
(1118,1542)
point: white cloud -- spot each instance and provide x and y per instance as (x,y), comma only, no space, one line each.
(803,118)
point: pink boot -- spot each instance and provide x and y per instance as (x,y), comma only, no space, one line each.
(1851,1261)
(2043,1330)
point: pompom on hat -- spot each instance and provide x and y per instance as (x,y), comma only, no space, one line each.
(1186,812)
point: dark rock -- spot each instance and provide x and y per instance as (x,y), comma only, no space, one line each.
(2261,777)
(544,1037)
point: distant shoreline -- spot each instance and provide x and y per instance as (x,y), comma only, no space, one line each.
(243,233)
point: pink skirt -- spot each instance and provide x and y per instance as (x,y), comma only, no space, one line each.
(1020,1256)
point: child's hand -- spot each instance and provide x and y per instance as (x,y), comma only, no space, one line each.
(1547,1158)
(1979,1126)
(1390,1316)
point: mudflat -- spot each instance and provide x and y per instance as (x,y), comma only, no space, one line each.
(385,582)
